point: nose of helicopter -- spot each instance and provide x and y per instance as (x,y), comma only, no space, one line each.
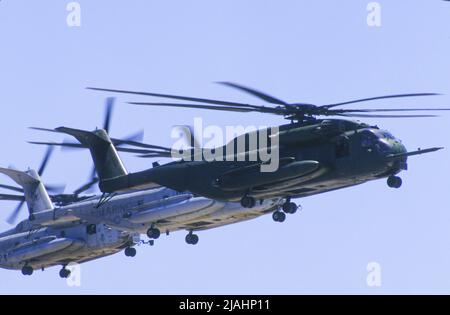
(389,145)
(393,147)
(397,147)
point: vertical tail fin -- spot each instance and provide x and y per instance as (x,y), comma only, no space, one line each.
(36,195)
(105,156)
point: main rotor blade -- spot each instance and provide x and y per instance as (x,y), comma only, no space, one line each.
(176,97)
(142,151)
(63,144)
(11,188)
(13,217)
(386,116)
(256,93)
(69,145)
(379,98)
(388,110)
(153,155)
(11,197)
(108,113)
(44,129)
(118,142)
(44,163)
(260,109)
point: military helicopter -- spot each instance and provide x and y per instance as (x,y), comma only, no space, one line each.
(315,155)
(54,236)
(28,248)
(56,194)
(146,212)
(85,229)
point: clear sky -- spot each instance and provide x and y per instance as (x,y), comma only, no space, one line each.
(300,51)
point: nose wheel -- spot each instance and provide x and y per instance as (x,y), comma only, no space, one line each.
(27,270)
(191,238)
(394,181)
(290,207)
(248,202)
(130,251)
(279,216)
(153,233)
(64,273)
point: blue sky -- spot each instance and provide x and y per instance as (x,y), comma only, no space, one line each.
(300,51)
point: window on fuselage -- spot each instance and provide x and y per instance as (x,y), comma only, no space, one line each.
(387,135)
(342,147)
(368,139)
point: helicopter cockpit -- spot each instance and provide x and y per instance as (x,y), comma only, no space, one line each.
(368,138)
(382,141)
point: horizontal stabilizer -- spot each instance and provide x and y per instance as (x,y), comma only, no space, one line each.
(21,178)
(106,159)
(35,193)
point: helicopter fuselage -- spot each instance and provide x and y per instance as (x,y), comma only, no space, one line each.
(314,157)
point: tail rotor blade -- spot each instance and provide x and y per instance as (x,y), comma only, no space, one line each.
(13,217)
(92,181)
(86,187)
(45,160)
(108,114)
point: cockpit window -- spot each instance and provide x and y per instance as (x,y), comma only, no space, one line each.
(368,139)
(382,146)
(342,147)
(387,135)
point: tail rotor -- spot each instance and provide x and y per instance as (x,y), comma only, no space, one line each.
(50,188)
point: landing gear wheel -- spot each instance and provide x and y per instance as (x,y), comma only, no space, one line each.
(153,233)
(290,207)
(27,270)
(64,273)
(248,202)
(279,216)
(192,239)
(130,251)
(394,181)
